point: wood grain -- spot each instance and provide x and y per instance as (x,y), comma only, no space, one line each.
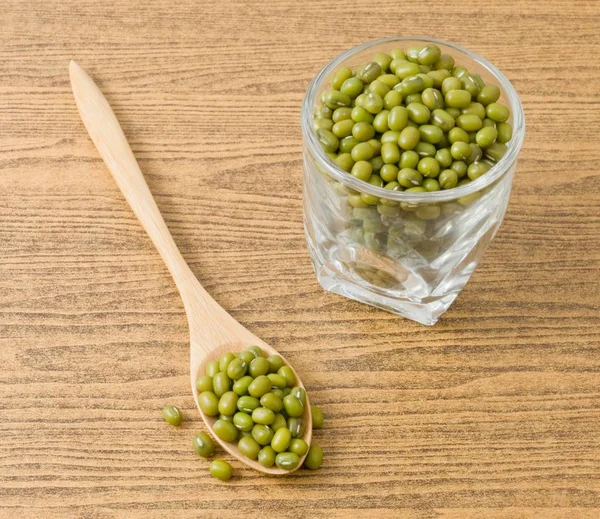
(492,413)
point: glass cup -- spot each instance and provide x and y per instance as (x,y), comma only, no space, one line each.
(409,253)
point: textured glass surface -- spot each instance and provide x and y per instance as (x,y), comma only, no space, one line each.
(414,259)
(404,264)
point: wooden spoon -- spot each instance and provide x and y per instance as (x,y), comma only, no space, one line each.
(212,330)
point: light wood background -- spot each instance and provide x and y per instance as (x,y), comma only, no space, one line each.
(494,412)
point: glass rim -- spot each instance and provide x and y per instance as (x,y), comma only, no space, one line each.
(494,173)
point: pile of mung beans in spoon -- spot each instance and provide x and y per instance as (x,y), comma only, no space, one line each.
(411,121)
(259,406)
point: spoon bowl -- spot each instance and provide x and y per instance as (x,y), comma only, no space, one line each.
(232,448)
(213,331)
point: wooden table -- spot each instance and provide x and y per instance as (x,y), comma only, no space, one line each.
(494,412)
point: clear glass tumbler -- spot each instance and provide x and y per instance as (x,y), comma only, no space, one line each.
(412,254)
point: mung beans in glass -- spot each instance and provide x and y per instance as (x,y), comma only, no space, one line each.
(451,134)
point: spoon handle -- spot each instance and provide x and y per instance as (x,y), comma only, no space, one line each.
(106,133)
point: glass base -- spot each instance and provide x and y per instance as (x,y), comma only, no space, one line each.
(426,312)
(405,265)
